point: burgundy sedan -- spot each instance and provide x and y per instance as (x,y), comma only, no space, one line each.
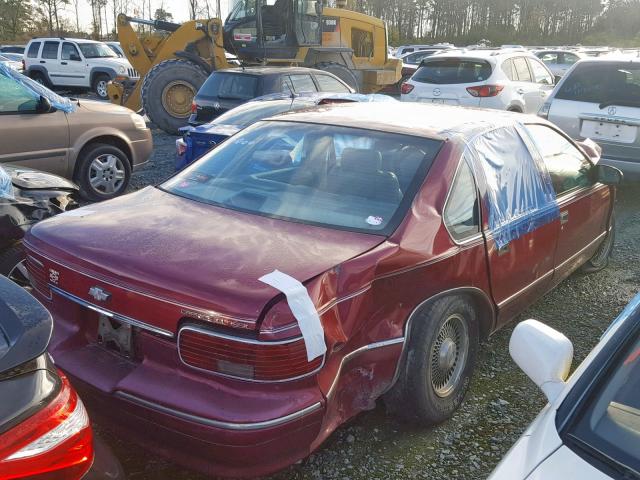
(234,316)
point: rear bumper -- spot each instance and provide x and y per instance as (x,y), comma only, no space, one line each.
(630,169)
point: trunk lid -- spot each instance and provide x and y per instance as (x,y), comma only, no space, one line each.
(159,255)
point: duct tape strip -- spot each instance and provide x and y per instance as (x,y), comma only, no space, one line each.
(302,308)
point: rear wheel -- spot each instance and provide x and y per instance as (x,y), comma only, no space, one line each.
(168,90)
(100,86)
(600,259)
(13,265)
(40,78)
(439,361)
(103,172)
(340,71)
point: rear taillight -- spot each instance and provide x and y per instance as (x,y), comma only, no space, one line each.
(245,359)
(55,443)
(181,147)
(406,88)
(485,90)
(194,107)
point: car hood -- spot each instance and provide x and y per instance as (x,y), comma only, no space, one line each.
(193,253)
(94,106)
(110,62)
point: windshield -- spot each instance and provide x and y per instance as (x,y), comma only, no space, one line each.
(245,115)
(96,50)
(604,84)
(608,425)
(333,176)
(452,70)
(233,86)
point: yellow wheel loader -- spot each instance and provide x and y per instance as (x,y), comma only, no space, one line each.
(175,61)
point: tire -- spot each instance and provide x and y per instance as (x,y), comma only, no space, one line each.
(430,387)
(102,172)
(600,258)
(340,71)
(168,90)
(99,86)
(12,265)
(40,78)
(514,110)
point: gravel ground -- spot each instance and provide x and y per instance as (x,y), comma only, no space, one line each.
(501,401)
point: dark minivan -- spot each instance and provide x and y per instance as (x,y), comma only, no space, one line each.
(227,89)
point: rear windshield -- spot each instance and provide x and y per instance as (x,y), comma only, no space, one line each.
(603,83)
(345,178)
(234,86)
(452,70)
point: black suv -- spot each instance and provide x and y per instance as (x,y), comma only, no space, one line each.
(227,89)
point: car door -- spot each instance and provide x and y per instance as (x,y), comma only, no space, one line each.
(50,60)
(526,87)
(31,139)
(522,269)
(72,67)
(585,206)
(543,78)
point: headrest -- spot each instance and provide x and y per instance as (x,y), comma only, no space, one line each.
(361,160)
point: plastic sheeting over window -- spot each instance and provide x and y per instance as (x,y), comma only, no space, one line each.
(6,187)
(61,103)
(520,196)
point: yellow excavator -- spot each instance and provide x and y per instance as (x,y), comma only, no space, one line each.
(175,59)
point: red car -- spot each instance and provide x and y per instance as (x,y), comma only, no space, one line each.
(234,316)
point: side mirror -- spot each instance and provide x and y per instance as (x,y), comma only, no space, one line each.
(591,148)
(544,354)
(74,57)
(44,105)
(608,175)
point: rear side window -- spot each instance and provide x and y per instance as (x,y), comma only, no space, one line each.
(229,86)
(522,70)
(567,166)
(50,50)
(453,70)
(603,82)
(33,50)
(507,68)
(569,58)
(330,84)
(302,83)
(461,212)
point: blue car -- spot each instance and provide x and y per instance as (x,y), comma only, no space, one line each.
(196,141)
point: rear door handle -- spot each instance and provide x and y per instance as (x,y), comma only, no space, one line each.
(564,217)
(520,91)
(63,63)
(42,61)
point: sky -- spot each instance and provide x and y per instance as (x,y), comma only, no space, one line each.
(178,8)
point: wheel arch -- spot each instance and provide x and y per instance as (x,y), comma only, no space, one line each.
(110,72)
(39,69)
(107,139)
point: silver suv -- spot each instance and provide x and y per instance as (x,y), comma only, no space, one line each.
(599,98)
(74,62)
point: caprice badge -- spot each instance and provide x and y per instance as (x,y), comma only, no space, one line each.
(99,294)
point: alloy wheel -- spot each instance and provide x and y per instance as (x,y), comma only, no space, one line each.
(107,174)
(449,355)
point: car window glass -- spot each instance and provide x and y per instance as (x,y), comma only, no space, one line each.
(229,86)
(15,98)
(33,50)
(452,70)
(69,50)
(245,115)
(97,50)
(330,84)
(341,177)
(540,74)
(522,70)
(461,212)
(302,83)
(507,68)
(569,58)
(567,166)
(603,82)
(550,57)
(50,50)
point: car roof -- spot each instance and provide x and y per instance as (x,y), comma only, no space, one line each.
(492,55)
(63,39)
(273,70)
(613,58)
(408,118)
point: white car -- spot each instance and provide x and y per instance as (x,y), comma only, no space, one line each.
(559,61)
(501,79)
(590,429)
(71,62)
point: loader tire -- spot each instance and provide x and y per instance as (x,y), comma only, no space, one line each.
(168,90)
(340,71)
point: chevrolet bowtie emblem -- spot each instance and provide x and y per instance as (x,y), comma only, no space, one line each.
(99,294)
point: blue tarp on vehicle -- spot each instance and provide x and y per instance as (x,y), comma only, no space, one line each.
(6,187)
(61,103)
(520,195)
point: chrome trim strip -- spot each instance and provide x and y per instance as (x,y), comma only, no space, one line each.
(356,352)
(36,261)
(219,423)
(232,338)
(581,251)
(526,287)
(110,314)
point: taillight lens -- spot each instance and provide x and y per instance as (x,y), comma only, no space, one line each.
(406,88)
(181,147)
(194,107)
(245,359)
(485,90)
(55,443)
